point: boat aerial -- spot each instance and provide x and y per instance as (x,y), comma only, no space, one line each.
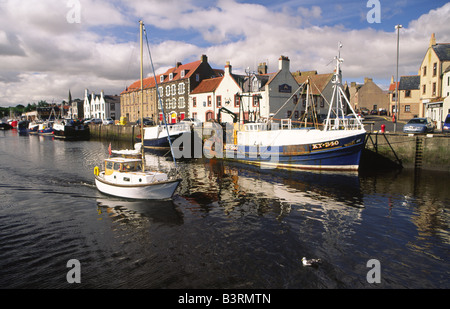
(125,176)
(337,145)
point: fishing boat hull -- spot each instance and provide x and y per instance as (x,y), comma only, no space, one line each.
(71,132)
(153,191)
(156,137)
(333,151)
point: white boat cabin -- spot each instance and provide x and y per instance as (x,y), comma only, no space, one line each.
(126,171)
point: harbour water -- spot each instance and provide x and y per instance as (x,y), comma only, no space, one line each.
(229,226)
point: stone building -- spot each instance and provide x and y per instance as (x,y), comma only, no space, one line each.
(174,87)
(368,96)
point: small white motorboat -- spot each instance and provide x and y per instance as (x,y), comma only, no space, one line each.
(124,177)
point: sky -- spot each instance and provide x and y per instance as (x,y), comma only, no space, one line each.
(48,47)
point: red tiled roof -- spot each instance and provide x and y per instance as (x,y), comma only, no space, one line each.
(392,86)
(207,85)
(149,82)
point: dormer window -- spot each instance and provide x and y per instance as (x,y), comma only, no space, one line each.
(161,79)
(183,73)
(170,76)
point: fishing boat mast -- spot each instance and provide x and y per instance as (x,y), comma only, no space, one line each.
(339,97)
(141,26)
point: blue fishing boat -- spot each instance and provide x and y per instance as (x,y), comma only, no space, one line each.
(336,144)
(157,137)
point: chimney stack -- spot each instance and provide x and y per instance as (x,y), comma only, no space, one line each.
(283,63)
(228,68)
(262,68)
(204,58)
(432,40)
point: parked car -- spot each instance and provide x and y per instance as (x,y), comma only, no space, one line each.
(360,116)
(192,121)
(94,120)
(383,112)
(146,121)
(364,111)
(374,112)
(108,121)
(419,125)
(446,127)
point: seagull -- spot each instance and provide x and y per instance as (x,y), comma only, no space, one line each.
(311,262)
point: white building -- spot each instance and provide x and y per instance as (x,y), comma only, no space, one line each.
(241,95)
(101,106)
(446,92)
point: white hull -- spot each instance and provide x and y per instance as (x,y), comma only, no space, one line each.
(154,191)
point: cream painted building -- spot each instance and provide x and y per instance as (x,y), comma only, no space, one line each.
(432,68)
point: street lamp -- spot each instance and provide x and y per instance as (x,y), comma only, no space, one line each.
(397,98)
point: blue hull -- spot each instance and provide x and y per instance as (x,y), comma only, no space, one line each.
(159,143)
(343,154)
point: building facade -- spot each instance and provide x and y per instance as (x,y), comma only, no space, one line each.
(320,91)
(232,94)
(368,96)
(409,104)
(432,68)
(101,106)
(173,88)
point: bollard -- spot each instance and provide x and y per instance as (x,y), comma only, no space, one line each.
(383,127)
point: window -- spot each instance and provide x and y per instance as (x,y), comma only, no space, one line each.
(407,93)
(209,115)
(255,101)
(295,99)
(407,108)
(425,71)
(209,100)
(181,88)
(424,89)
(194,115)
(237,100)
(434,89)
(322,102)
(435,69)
(160,90)
(183,72)
(194,102)
(181,103)
(289,113)
(167,91)
(296,115)
(197,77)
(219,101)
(174,89)
(161,79)
(170,76)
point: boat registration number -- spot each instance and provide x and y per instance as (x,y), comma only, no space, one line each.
(324,145)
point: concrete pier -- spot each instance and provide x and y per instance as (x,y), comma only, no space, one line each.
(419,151)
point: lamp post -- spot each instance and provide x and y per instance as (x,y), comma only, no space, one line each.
(397,27)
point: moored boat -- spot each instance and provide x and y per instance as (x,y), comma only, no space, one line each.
(156,137)
(70,129)
(126,176)
(336,146)
(45,128)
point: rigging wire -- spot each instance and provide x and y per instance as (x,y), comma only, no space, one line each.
(159,99)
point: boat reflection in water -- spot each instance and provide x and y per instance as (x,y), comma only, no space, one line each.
(136,211)
(241,189)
